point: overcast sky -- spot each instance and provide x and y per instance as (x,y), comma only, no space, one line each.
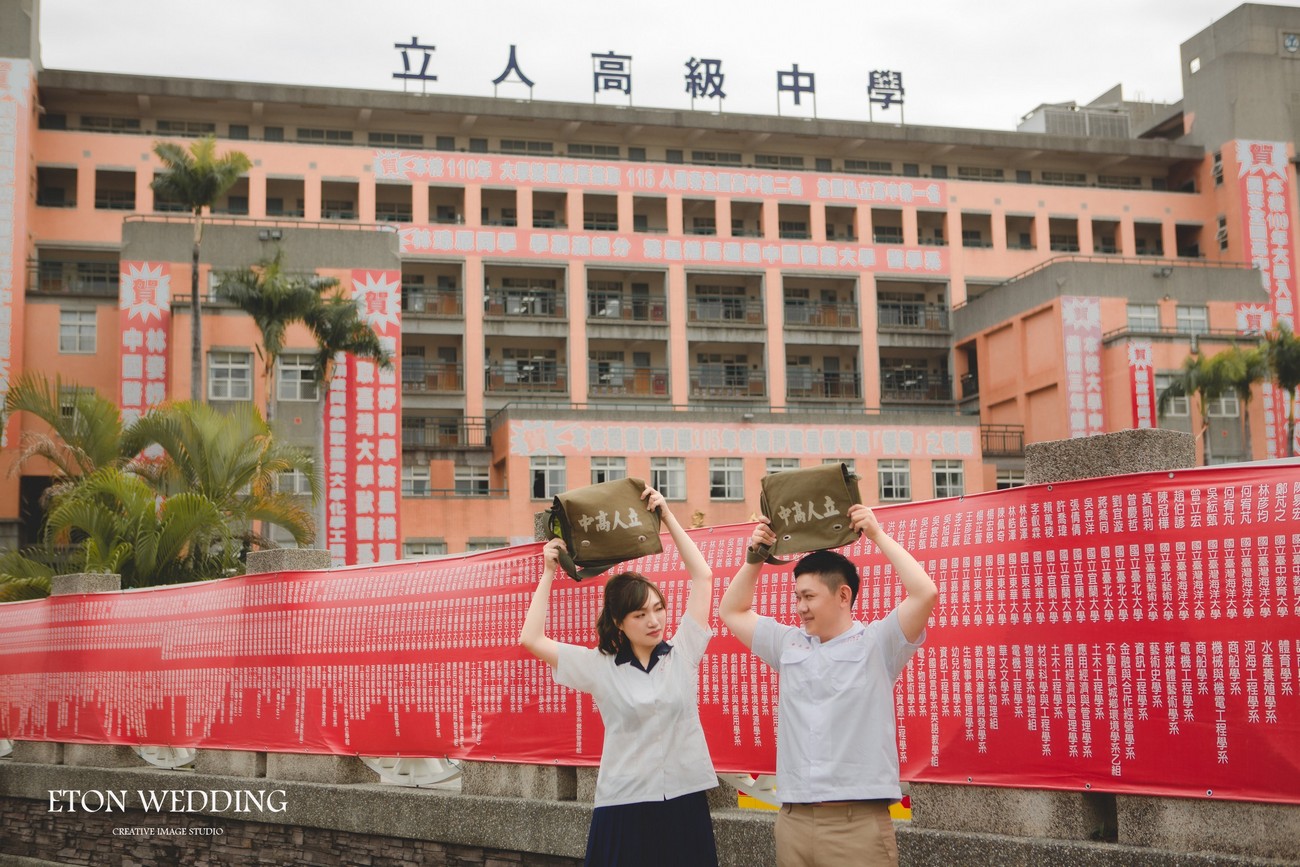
(963,63)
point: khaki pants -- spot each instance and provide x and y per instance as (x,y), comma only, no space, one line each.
(840,835)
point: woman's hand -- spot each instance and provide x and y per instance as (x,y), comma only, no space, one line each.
(654,501)
(864,521)
(551,554)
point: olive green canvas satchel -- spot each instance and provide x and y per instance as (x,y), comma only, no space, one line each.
(809,509)
(603,525)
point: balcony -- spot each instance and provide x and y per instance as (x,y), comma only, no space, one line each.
(804,384)
(1002,440)
(539,376)
(626,307)
(725,311)
(440,433)
(915,385)
(912,316)
(431,377)
(799,314)
(627,382)
(420,300)
(538,301)
(970,385)
(727,380)
(64,277)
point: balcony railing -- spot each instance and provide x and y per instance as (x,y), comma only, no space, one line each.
(912,315)
(801,314)
(1002,440)
(432,376)
(724,380)
(539,301)
(624,381)
(914,384)
(626,307)
(804,384)
(423,492)
(73,277)
(725,311)
(539,376)
(115,200)
(444,433)
(421,300)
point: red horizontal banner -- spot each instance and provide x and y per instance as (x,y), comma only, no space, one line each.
(1133,634)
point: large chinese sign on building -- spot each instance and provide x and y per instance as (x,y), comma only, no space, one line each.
(1133,634)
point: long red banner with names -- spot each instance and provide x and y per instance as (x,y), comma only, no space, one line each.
(1134,634)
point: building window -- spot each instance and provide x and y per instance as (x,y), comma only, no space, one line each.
(895,481)
(397,139)
(415,481)
(1143,317)
(293,482)
(424,548)
(778,161)
(490,544)
(980,173)
(949,479)
(869,167)
(521,146)
(1008,479)
(1177,406)
(186,127)
(776,465)
(605,151)
(1224,406)
(605,469)
(297,379)
(324,136)
(715,158)
(1192,320)
(547,475)
(668,477)
(472,481)
(1222,234)
(726,479)
(77,332)
(230,376)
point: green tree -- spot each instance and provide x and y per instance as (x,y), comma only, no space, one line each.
(232,459)
(196,177)
(275,299)
(1200,382)
(1240,370)
(172,497)
(337,327)
(1282,349)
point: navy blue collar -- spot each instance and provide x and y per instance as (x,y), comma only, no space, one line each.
(625,655)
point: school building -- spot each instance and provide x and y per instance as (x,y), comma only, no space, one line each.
(576,292)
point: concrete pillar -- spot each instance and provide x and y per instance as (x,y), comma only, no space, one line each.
(85,582)
(1112,454)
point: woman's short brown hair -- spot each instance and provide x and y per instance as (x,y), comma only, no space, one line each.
(624,593)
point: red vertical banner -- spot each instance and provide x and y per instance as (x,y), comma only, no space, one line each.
(1081,328)
(17,85)
(1254,320)
(1265,190)
(1142,383)
(363,434)
(144,304)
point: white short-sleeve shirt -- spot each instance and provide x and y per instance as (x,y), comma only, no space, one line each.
(835,739)
(654,744)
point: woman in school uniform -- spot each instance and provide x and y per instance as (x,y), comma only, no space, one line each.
(651,807)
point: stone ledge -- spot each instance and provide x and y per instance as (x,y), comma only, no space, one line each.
(327,769)
(288,560)
(230,763)
(925,847)
(1189,824)
(514,824)
(1112,454)
(1013,812)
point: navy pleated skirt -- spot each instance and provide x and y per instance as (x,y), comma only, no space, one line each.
(653,834)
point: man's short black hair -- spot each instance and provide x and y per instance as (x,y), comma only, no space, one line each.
(833,568)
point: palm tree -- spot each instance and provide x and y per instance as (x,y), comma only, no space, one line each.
(337,326)
(196,178)
(1199,381)
(85,428)
(1240,370)
(275,299)
(1282,349)
(120,526)
(231,459)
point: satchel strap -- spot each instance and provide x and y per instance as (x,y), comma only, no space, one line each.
(578,573)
